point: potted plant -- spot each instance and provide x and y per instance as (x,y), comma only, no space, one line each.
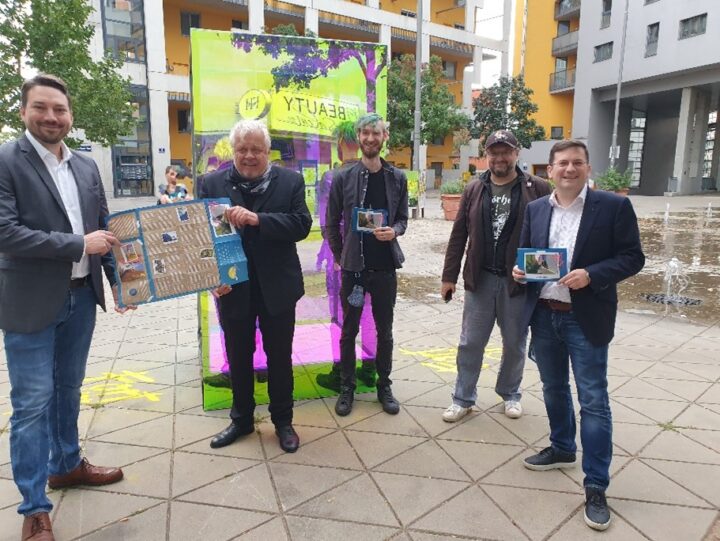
(347,140)
(450,194)
(613,180)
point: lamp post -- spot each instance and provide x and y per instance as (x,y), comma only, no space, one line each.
(613,145)
(418,74)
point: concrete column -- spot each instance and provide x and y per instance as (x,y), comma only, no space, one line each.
(312,20)
(507,29)
(375,4)
(471,77)
(692,129)
(256,16)
(470,14)
(386,39)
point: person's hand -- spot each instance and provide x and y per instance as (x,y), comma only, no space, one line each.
(164,199)
(336,267)
(220,291)
(445,287)
(518,275)
(576,279)
(100,242)
(121,309)
(188,197)
(384,234)
(240,216)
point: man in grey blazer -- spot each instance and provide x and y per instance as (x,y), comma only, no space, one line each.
(52,248)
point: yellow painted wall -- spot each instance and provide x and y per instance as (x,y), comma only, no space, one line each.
(554,109)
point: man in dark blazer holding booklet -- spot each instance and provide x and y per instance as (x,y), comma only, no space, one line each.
(52,252)
(572,320)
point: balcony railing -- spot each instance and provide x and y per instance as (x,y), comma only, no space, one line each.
(561,81)
(567,9)
(565,44)
(284,8)
(349,22)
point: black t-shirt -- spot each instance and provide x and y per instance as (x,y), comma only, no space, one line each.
(378,255)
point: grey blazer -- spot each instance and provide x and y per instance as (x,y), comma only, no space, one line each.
(37,245)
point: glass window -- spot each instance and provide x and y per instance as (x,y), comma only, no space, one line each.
(449,69)
(636,145)
(563,27)
(603,52)
(560,64)
(132,158)
(650,1)
(124,29)
(694,26)
(242,25)
(188,21)
(606,13)
(408,13)
(651,43)
(710,144)
(438,141)
(556,132)
(183,119)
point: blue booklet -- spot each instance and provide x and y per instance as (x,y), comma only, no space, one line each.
(542,264)
(367,220)
(171,250)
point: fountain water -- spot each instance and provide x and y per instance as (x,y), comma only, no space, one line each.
(709,212)
(667,214)
(675,282)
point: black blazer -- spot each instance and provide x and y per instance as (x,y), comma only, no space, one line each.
(607,246)
(270,247)
(37,245)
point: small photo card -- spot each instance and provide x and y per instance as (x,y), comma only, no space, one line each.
(220,224)
(168,237)
(129,252)
(367,220)
(542,264)
(183,214)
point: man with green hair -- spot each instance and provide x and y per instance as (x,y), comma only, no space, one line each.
(368,257)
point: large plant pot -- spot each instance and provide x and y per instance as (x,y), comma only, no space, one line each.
(450,204)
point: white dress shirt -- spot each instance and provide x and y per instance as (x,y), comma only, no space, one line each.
(564,225)
(65,182)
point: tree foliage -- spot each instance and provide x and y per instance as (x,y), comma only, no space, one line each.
(507,105)
(440,114)
(307,59)
(53,36)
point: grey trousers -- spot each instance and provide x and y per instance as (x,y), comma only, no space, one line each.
(488,303)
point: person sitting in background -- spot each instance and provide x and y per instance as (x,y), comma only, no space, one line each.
(173,191)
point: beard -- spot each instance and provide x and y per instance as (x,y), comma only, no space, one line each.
(370,151)
(42,134)
(502,170)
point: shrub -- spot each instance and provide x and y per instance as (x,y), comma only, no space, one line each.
(613,180)
(452,188)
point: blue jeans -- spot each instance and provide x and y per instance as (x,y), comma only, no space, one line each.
(489,302)
(46,371)
(555,337)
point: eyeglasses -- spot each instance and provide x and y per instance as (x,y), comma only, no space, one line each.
(577,164)
(242,151)
(500,154)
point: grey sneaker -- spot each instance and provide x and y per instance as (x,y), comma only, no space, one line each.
(597,514)
(549,459)
(454,413)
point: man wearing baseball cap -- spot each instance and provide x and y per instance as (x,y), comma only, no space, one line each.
(489,222)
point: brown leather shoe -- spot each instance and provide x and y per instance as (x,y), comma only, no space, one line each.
(86,474)
(37,527)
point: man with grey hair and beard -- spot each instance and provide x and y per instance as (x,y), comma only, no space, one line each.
(271,216)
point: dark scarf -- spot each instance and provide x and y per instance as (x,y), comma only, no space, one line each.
(252,186)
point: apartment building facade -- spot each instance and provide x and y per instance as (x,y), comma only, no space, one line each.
(152,37)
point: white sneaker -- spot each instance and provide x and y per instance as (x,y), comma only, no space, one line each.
(454,413)
(513,409)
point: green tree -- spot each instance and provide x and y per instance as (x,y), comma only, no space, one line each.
(53,36)
(440,114)
(507,105)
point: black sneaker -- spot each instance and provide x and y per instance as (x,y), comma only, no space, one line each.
(344,403)
(386,398)
(549,459)
(597,514)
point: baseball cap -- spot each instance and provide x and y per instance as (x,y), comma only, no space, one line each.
(504,137)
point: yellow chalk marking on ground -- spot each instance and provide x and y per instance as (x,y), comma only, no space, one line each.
(115,387)
(443,359)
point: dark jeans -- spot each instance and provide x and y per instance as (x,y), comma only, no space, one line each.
(558,342)
(382,288)
(277,338)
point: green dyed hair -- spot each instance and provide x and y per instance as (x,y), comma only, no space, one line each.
(370,119)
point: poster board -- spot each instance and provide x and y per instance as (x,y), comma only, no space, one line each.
(171,250)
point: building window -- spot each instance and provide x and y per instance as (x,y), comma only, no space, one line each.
(606,13)
(124,29)
(449,69)
(651,43)
(408,13)
(563,27)
(556,132)
(603,52)
(188,21)
(183,120)
(710,144)
(241,25)
(459,26)
(132,155)
(694,26)
(637,144)
(650,2)
(438,141)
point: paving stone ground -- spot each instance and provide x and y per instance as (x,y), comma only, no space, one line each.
(372,476)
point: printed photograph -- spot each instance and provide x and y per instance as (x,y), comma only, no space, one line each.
(207,253)
(220,225)
(544,265)
(368,220)
(182,213)
(168,237)
(130,272)
(130,252)
(159,266)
